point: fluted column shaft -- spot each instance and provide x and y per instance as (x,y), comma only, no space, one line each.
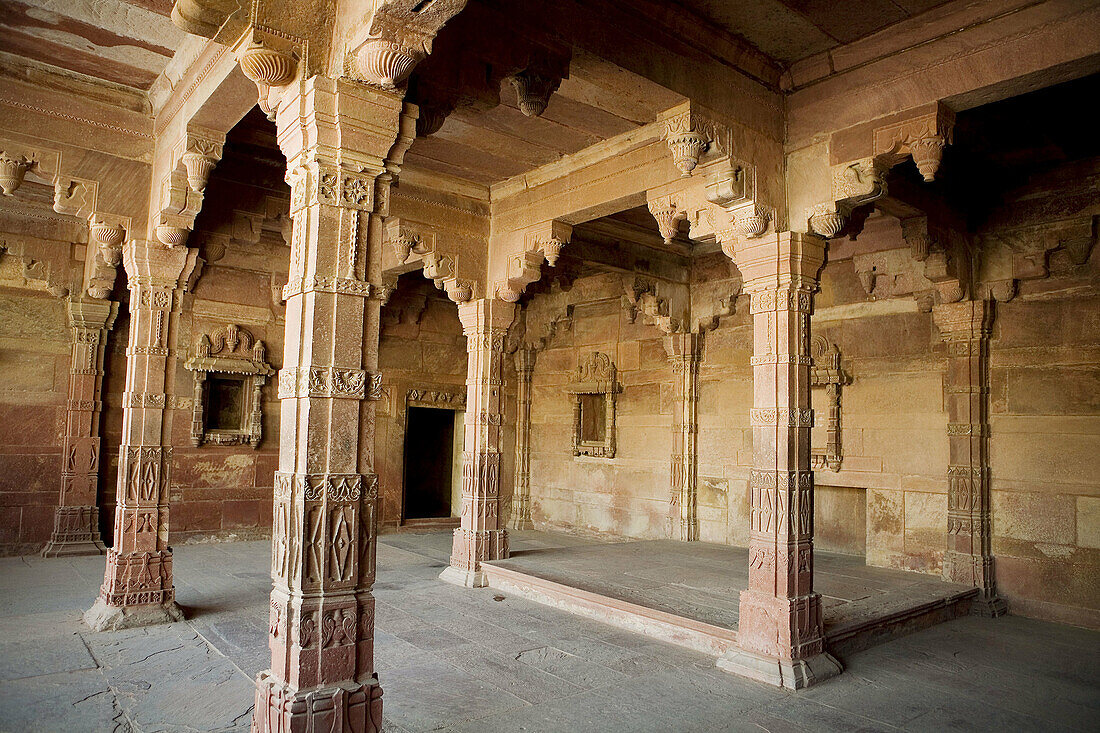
(480,536)
(966,326)
(76,521)
(137,586)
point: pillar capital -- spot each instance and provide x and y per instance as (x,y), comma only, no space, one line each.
(782,260)
(966,320)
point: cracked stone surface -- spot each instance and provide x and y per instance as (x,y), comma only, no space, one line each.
(456,660)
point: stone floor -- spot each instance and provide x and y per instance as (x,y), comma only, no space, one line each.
(703,581)
(452,659)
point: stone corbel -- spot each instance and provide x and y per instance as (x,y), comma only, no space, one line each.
(668,215)
(399,37)
(268,67)
(107,234)
(182,189)
(13,167)
(921,137)
(543,241)
(687,136)
(854,184)
(642,299)
(533,90)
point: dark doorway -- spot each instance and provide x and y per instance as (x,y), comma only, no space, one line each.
(429,439)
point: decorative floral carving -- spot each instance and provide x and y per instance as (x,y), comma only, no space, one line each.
(267,68)
(533,91)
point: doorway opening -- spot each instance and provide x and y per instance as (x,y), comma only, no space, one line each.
(433,470)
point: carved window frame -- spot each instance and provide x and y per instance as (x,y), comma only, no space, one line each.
(235,352)
(596,375)
(826,372)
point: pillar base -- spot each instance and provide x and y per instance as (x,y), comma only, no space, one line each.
(988,606)
(464,578)
(74,548)
(793,674)
(349,707)
(75,532)
(103,617)
(524,523)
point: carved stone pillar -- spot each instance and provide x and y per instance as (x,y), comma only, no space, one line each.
(480,536)
(325,521)
(76,522)
(684,351)
(137,587)
(965,326)
(779,634)
(521,494)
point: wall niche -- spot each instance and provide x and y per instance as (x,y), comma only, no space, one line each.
(230,370)
(593,393)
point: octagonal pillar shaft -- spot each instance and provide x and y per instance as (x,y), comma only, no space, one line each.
(779,635)
(480,535)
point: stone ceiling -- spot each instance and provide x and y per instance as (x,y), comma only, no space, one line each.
(790,30)
(126,43)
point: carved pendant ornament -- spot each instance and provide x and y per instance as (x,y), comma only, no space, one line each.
(230,370)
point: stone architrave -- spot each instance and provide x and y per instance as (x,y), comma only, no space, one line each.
(780,639)
(966,326)
(684,351)
(325,520)
(76,521)
(137,587)
(521,493)
(480,536)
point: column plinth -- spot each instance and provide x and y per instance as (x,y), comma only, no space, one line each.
(480,537)
(780,638)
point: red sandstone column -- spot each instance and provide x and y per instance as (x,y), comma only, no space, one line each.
(76,522)
(965,326)
(326,492)
(684,351)
(779,634)
(480,536)
(137,587)
(521,493)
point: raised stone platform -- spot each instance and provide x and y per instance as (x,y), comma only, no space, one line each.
(687,593)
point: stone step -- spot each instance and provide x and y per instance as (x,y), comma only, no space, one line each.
(921,612)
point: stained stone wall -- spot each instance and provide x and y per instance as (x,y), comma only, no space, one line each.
(34,375)
(627,495)
(422,349)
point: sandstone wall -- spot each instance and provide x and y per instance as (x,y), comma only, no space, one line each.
(34,377)
(626,495)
